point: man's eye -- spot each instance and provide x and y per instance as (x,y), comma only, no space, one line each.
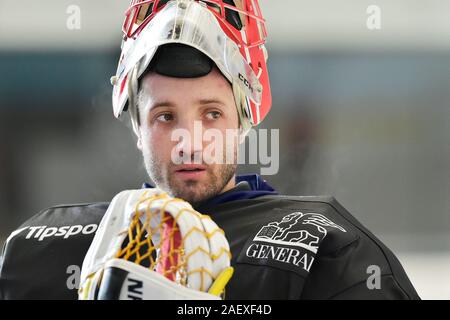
(165,117)
(212,115)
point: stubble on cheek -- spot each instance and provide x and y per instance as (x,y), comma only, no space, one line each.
(155,167)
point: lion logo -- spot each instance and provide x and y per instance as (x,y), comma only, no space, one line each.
(304,229)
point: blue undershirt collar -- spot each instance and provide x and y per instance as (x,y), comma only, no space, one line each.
(248,186)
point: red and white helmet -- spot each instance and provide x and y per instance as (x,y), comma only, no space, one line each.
(230,32)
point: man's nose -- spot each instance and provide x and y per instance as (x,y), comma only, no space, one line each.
(190,144)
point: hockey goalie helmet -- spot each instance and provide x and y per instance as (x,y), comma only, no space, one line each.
(229,32)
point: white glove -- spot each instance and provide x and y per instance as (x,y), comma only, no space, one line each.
(188,256)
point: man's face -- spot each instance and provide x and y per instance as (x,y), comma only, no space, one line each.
(178,116)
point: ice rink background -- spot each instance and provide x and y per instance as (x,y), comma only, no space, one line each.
(364,115)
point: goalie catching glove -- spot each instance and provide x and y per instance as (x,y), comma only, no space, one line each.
(154,247)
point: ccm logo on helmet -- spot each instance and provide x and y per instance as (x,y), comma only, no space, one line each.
(245,81)
(42,232)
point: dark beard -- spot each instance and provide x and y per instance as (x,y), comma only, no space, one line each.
(192,191)
(196,192)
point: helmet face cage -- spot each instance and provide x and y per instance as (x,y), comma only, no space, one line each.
(241,21)
(233,15)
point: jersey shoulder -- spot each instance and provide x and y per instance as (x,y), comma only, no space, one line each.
(79,212)
(335,248)
(40,256)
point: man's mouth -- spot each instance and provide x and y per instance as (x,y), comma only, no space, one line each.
(190,171)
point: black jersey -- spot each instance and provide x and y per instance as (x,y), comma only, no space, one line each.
(283,247)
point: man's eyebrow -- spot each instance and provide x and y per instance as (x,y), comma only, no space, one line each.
(210,101)
(168,104)
(160,104)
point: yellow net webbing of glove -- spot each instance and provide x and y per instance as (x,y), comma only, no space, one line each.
(168,236)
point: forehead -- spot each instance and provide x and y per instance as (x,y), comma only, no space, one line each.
(213,86)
